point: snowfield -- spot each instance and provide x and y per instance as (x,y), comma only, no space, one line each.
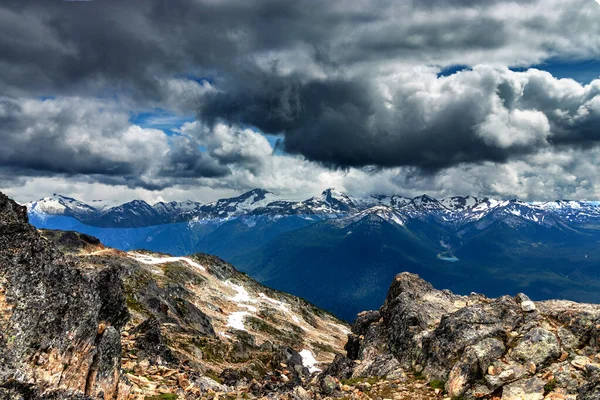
(150,260)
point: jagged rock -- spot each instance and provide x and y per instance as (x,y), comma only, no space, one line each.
(526,304)
(51,309)
(75,240)
(151,342)
(364,320)
(383,365)
(591,390)
(353,345)
(341,367)
(329,385)
(291,359)
(169,304)
(580,363)
(207,384)
(474,362)
(244,346)
(479,346)
(509,372)
(299,393)
(230,377)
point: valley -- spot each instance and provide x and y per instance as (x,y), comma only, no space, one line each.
(340,252)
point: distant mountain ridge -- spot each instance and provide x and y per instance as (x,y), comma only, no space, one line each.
(340,252)
(456,210)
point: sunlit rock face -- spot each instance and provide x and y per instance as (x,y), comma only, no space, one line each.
(508,347)
(60,325)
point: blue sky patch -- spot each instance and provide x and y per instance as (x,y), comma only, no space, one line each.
(161,119)
(583,71)
(452,69)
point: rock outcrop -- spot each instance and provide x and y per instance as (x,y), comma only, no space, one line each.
(60,322)
(507,348)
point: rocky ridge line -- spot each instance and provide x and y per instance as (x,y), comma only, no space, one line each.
(508,348)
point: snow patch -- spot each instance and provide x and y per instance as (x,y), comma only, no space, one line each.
(150,260)
(283,306)
(309,361)
(236,320)
(242,295)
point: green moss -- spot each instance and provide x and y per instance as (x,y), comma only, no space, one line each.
(135,305)
(324,347)
(213,375)
(166,396)
(355,381)
(133,285)
(181,274)
(262,326)
(419,376)
(437,384)
(550,386)
(212,350)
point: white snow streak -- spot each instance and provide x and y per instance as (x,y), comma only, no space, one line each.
(150,260)
(242,295)
(278,303)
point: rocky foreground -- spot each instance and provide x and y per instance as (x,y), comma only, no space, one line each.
(508,348)
(82,321)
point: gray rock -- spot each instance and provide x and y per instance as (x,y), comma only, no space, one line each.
(478,344)
(205,384)
(538,346)
(329,385)
(591,390)
(299,393)
(472,365)
(527,389)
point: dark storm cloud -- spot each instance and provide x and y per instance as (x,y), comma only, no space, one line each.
(339,79)
(48,45)
(487,114)
(185,160)
(74,136)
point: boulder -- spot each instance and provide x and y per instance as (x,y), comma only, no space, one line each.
(538,346)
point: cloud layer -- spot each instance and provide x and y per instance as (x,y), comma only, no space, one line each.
(354,89)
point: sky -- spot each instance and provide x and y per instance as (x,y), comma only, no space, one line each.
(203,99)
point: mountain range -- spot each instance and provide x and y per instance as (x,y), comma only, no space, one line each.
(82,321)
(340,252)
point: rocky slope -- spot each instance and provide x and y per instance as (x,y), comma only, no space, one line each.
(508,348)
(198,326)
(80,320)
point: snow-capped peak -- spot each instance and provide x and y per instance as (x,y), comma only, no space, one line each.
(460,202)
(331,201)
(386,213)
(60,205)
